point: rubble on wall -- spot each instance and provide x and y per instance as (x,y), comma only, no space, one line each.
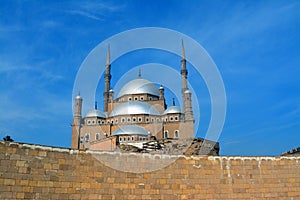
(294,152)
(201,146)
(197,146)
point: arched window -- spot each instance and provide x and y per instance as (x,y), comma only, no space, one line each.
(97,136)
(166,134)
(87,137)
(176,133)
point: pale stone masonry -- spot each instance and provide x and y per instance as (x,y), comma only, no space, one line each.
(41,172)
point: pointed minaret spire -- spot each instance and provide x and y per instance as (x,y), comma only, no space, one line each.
(183,71)
(182,50)
(140,73)
(107,77)
(108,56)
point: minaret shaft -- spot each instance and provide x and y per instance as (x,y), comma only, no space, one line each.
(186,94)
(76,125)
(107,78)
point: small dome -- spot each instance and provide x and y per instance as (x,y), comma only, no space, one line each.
(96,113)
(131,130)
(139,86)
(187,91)
(78,97)
(173,110)
(133,108)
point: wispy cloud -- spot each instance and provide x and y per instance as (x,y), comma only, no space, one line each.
(94,10)
(99,6)
(22,62)
(230,142)
(14,111)
(247,21)
(48,24)
(86,14)
(11,28)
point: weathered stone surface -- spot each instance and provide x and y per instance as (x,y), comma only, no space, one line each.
(39,172)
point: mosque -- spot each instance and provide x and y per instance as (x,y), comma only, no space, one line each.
(136,115)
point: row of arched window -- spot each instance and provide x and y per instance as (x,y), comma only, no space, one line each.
(138,98)
(133,120)
(132,138)
(97,136)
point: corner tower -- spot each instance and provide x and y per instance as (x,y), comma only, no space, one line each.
(186,94)
(107,77)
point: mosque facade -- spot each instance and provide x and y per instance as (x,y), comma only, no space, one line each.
(136,115)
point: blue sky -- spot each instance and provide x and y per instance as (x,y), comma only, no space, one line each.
(255,45)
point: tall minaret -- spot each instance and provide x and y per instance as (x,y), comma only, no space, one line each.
(75,143)
(186,94)
(107,77)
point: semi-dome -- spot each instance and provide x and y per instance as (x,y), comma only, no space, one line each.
(173,110)
(139,86)
(131,130)
(133,108)
(95,113)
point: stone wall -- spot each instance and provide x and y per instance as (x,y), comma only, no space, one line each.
(40,172)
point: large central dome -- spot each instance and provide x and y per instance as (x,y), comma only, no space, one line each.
(134,108)
(139,86)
